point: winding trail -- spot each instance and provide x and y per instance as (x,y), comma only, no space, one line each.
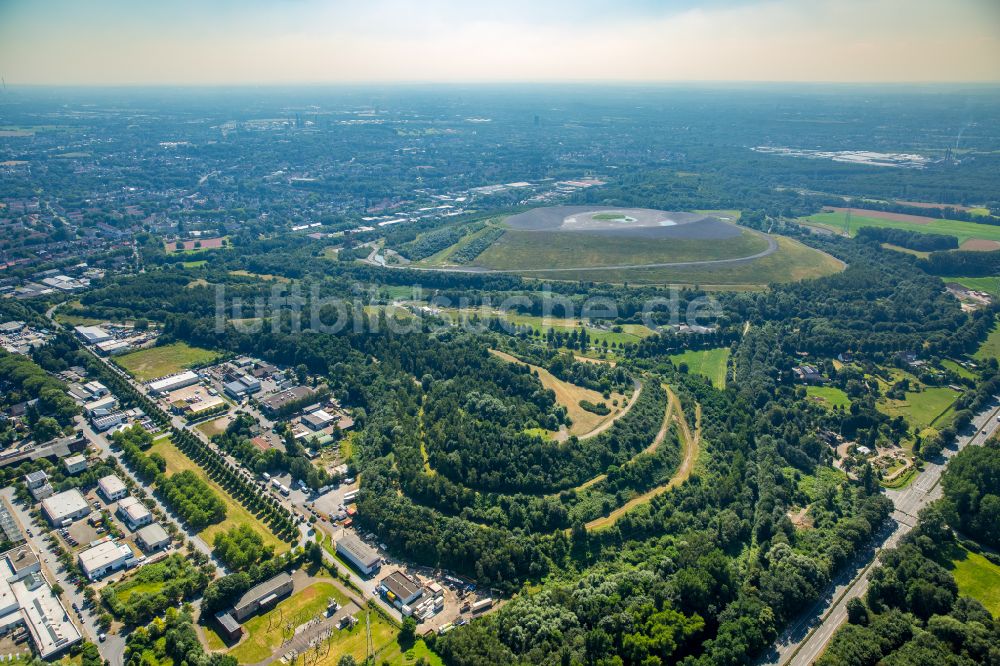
(691,446)
(649,449)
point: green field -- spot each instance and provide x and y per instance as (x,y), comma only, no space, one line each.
(519,250)
(610,217)
(991,285)
(709,363)
(963,230)
(792,262)
(155,362)
(265,632)
(978,578)
(959,370)
(924,408)
(829,396)
(991,347)
(236,513)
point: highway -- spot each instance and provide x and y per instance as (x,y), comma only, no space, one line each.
(804,641)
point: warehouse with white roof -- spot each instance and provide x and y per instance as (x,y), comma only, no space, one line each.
(172,383)
(66,506)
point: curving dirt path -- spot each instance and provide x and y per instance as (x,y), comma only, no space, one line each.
(690,444)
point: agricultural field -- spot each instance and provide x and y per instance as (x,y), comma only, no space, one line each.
(236,513)
(978,578)
(828,396)
(155,362)
(570,396)
(964,231)
(711,363)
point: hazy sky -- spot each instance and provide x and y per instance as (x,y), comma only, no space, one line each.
(292,41)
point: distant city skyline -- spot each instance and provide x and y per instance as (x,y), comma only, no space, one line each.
(113,42)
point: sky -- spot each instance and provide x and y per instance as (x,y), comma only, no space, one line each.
(209,42)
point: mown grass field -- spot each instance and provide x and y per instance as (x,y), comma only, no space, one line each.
(963,230)
(711,363)
(959,370)
(978,578)
(924,408)
(236,513)
(990,347)
(155,362)
(570,395)
(828,396)
(792,262)
(525,250)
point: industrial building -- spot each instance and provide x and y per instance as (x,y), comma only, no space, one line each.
(91,335)
(100,406)
(26,599)
(400,589)
(134,513)
(112,488)
(262,596)
(104,558)
(275,402)
(65,507)
(360,554)
(172,382)
(152,538)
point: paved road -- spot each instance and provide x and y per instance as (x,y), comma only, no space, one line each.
(805,641)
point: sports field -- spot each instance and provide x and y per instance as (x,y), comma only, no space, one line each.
(236,513)
(155,362)
(570,395)
(964,231)
(978,578)
(709,363)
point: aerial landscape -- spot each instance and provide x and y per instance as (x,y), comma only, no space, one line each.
(426,336)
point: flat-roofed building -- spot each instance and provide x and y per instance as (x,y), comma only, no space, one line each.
(112,488)
(75,464)
(100,406)
(318,419)
(400,589)
(276,401)
(360,554)
(134,513)
(65,507)
(261,596)
(91,335)
(152,538)
(105,558)
(26,599)
(172,382)
(36,478)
